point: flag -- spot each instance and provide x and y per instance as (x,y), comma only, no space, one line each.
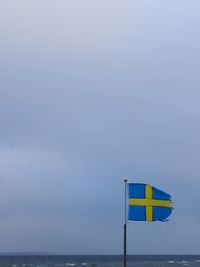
(147,203)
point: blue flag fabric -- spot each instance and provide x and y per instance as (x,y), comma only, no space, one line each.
(147,203)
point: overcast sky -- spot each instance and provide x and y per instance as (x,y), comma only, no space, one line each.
(92,91)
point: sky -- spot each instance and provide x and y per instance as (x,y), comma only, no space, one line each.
(91,92)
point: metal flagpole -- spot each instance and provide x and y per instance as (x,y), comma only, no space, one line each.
(125,223)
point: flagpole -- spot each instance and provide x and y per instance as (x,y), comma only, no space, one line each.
(125,223)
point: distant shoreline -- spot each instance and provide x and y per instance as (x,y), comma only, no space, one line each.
(93,255)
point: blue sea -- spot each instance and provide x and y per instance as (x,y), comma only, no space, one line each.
(99,261)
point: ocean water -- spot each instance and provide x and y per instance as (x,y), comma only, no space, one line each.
(99,261)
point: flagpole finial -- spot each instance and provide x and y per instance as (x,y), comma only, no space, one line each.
(125,179)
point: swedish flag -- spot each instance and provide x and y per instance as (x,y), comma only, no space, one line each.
(147,203)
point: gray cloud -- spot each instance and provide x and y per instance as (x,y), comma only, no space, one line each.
(90,92)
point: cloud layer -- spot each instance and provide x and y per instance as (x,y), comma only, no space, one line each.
(91,92)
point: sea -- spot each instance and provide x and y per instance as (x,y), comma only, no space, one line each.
(98,261)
